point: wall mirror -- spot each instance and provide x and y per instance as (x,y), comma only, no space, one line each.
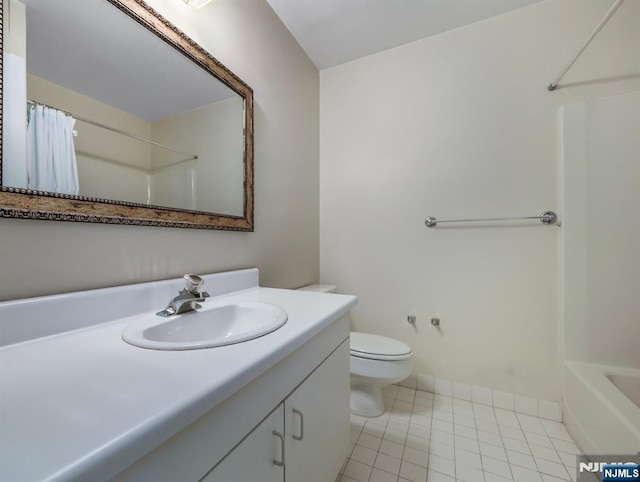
(110,114)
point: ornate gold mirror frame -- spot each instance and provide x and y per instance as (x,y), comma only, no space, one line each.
(29,204)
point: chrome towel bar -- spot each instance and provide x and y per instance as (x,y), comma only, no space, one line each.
(547,217)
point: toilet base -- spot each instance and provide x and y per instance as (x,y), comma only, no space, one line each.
(366,400)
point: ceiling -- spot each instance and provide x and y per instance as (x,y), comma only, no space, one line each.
(333,32)
(72,43)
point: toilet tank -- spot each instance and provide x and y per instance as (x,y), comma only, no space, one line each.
(319,288)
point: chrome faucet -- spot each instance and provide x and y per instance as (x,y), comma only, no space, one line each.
(188,299)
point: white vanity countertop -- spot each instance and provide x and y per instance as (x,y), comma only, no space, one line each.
(75,403)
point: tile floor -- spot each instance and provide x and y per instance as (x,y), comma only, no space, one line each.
(431,438)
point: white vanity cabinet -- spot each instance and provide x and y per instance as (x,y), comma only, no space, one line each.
(305,439)
(259,457)
(317,422)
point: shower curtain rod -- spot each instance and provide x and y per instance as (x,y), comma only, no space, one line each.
(118,131)
(547,217)
(616,4)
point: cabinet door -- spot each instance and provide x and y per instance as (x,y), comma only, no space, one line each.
(258,458)
(317,421)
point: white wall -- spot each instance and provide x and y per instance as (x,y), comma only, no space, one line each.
(601,147)
(214,133)
(461,125)
(247,37)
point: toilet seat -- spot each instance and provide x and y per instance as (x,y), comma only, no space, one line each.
(375,347)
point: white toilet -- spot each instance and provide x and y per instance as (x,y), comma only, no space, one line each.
(376,361)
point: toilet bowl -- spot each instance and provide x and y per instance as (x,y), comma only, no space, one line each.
(376,361)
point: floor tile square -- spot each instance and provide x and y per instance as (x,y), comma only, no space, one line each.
(378,475)
(358,471)
(364,455)
(565,446)
(387,463)
(399,425)
(493,451)
(485,416)
(521,474)
(513,433)
(496,467)
(369,441)
(422,420)
(373,429)
(545,453)
(438,477)
(406,394)
(467,432)
(442,465)
(551,468)
(344,478)
(489,477)
(467,444)
(395,436)
(419,430)
(490,438)
(442,437)
(507,418)
(413,472)
(558,433)
(402,406)
(469,474)
(415,456)
(516,445)
(465,420)
(391,448)
(442,425)
(443,450)
(416,442)
(568,459)
(551,478)
(537,439)
(470,459)
(443,415)
(522,460)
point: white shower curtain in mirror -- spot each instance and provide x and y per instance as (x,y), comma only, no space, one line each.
(52,157)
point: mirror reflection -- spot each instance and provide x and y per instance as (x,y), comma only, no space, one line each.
(87,114)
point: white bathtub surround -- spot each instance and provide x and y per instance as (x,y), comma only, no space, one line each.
(600,270)
(486,396)
(67,375)
(601,418)
(429,437)
(600,257)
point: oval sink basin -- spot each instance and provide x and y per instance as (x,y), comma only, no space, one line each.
(211,326)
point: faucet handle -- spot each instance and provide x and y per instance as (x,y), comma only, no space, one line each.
(194,282)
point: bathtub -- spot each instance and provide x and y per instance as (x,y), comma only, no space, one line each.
(602,408)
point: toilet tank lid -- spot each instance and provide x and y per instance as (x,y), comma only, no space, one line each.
(319,288)
(367,343)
